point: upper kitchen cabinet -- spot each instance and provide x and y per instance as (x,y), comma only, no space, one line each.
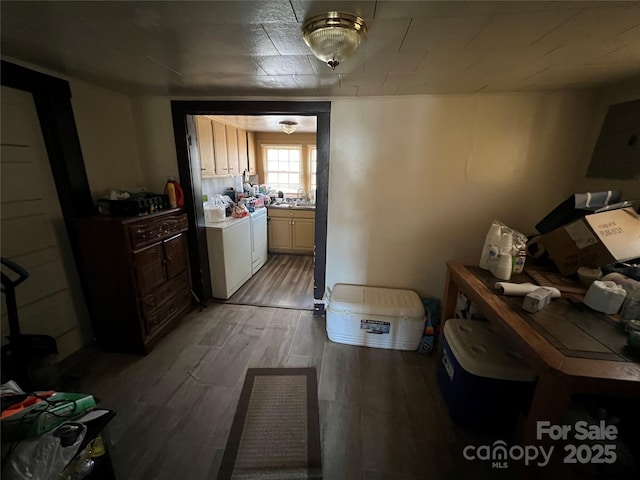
(220,148)
(232,149)
(242,150)
(224,149)
(251,153)
(204,131)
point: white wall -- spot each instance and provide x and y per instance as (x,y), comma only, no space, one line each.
(108,139)
(156,143)
(630,188)
(415,181)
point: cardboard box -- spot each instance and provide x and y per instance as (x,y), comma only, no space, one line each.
(595,240)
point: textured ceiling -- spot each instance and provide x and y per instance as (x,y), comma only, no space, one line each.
(255,48)
(268,123)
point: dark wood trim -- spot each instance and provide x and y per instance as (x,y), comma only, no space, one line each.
(192,185)
(322,206)
(52,98)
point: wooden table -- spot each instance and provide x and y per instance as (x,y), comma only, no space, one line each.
(571,348)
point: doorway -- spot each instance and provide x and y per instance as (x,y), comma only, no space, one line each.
(190,178)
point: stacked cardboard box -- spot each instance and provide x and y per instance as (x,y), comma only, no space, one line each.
(595,240)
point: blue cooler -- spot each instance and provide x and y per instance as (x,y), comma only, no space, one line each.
(484,382)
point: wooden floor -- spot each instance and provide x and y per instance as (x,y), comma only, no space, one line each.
(285,281)
(381,413)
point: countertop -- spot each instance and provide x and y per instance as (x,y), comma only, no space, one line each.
(285,206)
(227,222)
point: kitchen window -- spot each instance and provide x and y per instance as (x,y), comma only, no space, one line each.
(283,167)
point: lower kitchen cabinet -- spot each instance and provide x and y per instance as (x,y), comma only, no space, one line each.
(137,277)
(291,231)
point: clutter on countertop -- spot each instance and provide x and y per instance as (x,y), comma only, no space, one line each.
(174,191)
(240,211)
(523,289)
(535,296)
(594,240)
(578,205)
(131,202)
(605,296)
(215,209)
(629,284)
(588,275)
(630,312)
(537,300)
(504,251)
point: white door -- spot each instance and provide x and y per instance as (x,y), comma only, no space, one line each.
(33,234)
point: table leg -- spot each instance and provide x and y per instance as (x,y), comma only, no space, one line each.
(550,403)
(449,300)
(448,310)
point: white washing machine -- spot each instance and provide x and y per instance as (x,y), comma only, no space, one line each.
(229,245)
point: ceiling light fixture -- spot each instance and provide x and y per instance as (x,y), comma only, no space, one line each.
(288,126)
(334,36)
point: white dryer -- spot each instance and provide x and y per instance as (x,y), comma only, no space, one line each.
(258,239)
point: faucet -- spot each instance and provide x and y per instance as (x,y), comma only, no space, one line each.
(301,193)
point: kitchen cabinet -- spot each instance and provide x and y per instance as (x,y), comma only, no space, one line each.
(220,148)
(223,148)
(232,149)
(204,131)
(137,278)
(251,153)
(291,230)
(242,150)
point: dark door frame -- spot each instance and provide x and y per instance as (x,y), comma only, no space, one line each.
(190,178)
(52,98)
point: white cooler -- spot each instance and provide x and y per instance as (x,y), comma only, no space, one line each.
(375,317)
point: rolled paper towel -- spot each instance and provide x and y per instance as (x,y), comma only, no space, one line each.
(606,297)
(522,289)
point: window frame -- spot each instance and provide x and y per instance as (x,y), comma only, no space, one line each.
(311,171)
(280,146)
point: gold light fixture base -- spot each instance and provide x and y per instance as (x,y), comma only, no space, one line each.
(288,126)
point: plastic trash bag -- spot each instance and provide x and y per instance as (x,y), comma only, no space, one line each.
(43,457)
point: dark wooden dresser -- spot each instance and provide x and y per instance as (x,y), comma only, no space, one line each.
(137,274)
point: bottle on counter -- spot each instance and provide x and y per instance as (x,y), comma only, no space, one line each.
(170,191)
(492,238)
(175,193)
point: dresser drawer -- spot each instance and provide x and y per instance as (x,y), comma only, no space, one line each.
(164,292)
(155,318)
(145,233)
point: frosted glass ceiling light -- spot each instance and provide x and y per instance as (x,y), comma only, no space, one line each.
(288,126)
(334,36)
